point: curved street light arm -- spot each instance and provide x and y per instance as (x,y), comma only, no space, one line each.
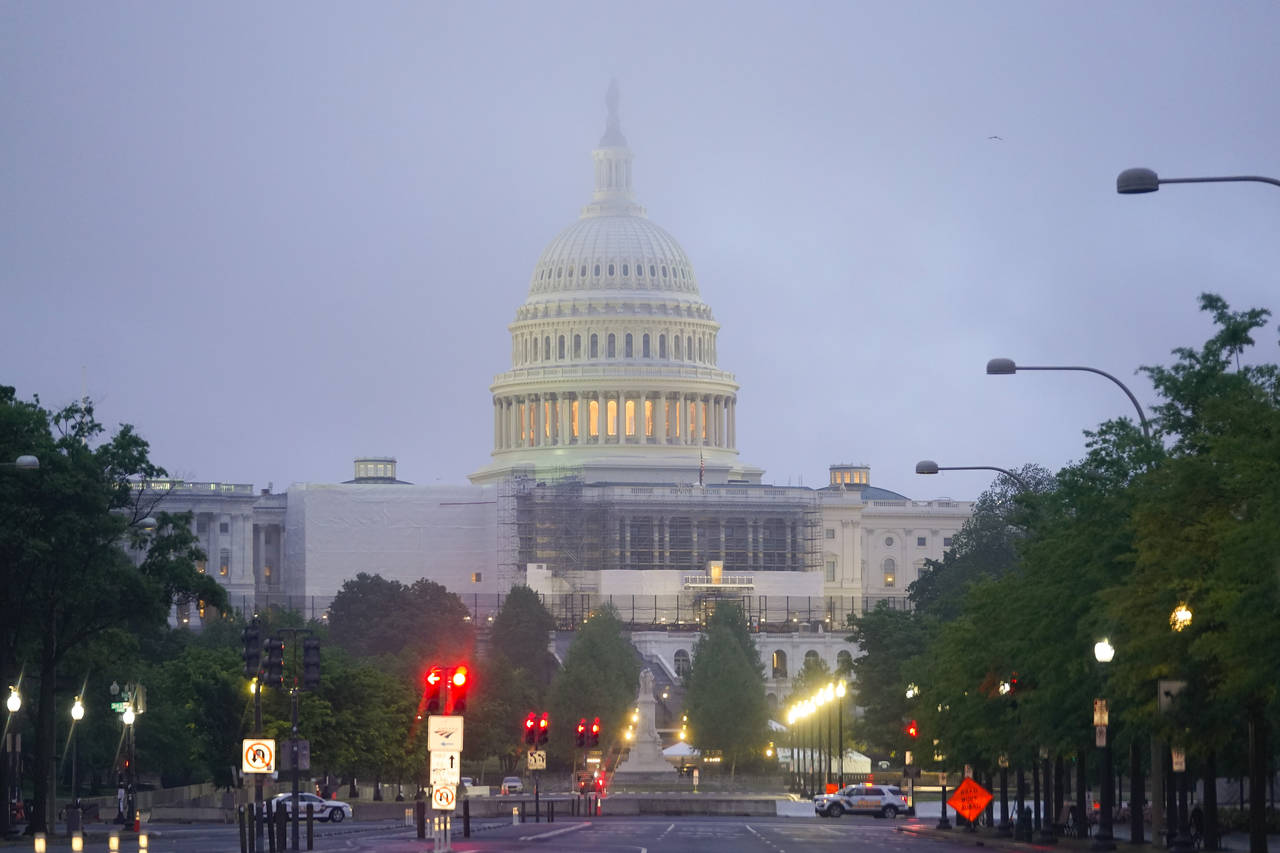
(1142,417)
(1224,180)
(929,467)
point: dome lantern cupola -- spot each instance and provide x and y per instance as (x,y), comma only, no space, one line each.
(613,195)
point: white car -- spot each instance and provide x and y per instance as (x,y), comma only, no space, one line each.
(334,811)
(878,800)
(512,785)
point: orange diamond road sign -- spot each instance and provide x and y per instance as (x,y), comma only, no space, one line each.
(969,800)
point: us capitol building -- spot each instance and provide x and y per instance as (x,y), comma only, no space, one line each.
(614,476)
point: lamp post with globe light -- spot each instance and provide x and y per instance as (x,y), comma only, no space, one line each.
(13,703)
(1103,652)
(73,812)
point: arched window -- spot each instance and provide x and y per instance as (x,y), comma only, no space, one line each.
(644,346)
(676,340)
(771,700)
(611,347)
(583,271)
(700,348)
(560,348)
(682,663)
(812,660)
(525,359)
(546,348)
(844,661)
(662,346)
(688,348)
(890,572)
(610,269)
(779,664)
(626,269)
(577,346)
(627,344)
(653,271)
(595,347)
(597,269)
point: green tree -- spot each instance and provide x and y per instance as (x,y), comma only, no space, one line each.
(599,679)
(725,701)
(521,631)
(372,615)
(63,564)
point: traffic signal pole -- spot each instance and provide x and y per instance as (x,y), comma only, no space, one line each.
(258,817)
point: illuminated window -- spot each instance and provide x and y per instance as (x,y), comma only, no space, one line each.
(573,418)
(522,429)
(611,418)
(611,347)
(890,572)
(692,420)
(593,419)
(704,419)
(548,417)
(779,664)
(266,572)
(475,577)
(648,418)
(224,562)
(200,566)
(595,347)
(627,344)
(631,417)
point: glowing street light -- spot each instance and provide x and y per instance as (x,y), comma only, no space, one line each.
(1180,618)
(14,702)
(1103,651)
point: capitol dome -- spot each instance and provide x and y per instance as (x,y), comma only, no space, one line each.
(613,352)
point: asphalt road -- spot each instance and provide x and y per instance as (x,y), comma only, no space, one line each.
(606,835)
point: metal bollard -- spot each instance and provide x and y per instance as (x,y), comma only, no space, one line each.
(251,818)
(420,815)
(466,818)
(551,811)
(282,826)
(244,844)
(269,826)
(311,816)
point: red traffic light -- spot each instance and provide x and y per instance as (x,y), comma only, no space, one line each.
(528,721)
(435,676)
(582,725)
(912,729)
(543,722)
(595,726)
(459,676)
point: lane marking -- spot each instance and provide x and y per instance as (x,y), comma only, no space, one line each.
(553,833)
(665,831)
(752,830)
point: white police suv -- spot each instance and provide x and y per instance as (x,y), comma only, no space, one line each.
(863,798)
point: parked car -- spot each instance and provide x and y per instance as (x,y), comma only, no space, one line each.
(334,811)
(511,785)
(878,800)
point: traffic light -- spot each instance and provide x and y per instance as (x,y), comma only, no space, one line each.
(912,729)
(459,683)
(435,690)
(310,663)
(544,725)
(252,649)
(595,732)
(275,662)
(581,739)
(530,728)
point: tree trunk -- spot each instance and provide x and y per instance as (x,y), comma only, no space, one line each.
(1082,812)
(1257,779)
(1210,805)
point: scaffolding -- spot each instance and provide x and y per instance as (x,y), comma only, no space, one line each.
(576,529)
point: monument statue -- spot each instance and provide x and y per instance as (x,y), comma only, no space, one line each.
(645,762)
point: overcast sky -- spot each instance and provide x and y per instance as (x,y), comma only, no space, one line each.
(275,236)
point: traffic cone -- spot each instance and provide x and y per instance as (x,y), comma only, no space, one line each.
(137,821)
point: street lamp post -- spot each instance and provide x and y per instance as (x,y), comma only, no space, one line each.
(1139,180)
(13,704)
(928,466)
(1103,652)
(73,812)
(840,693)
(131,804)
(1006,366)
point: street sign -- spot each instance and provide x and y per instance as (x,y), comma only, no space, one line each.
(304,755)
(442,797)
(1100,712)
(446,769)
(257,755)
(969,799)
(1099,735)
(444,734)
(537,759)
(119,707)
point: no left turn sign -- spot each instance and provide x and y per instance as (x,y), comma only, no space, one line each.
(442,797)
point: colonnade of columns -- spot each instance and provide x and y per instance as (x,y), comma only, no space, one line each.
(646,542)
(558,419)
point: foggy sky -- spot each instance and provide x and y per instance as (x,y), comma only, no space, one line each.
(278,236)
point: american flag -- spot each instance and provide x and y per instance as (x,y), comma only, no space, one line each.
(702,467)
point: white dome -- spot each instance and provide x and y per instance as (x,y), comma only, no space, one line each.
(612,253)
